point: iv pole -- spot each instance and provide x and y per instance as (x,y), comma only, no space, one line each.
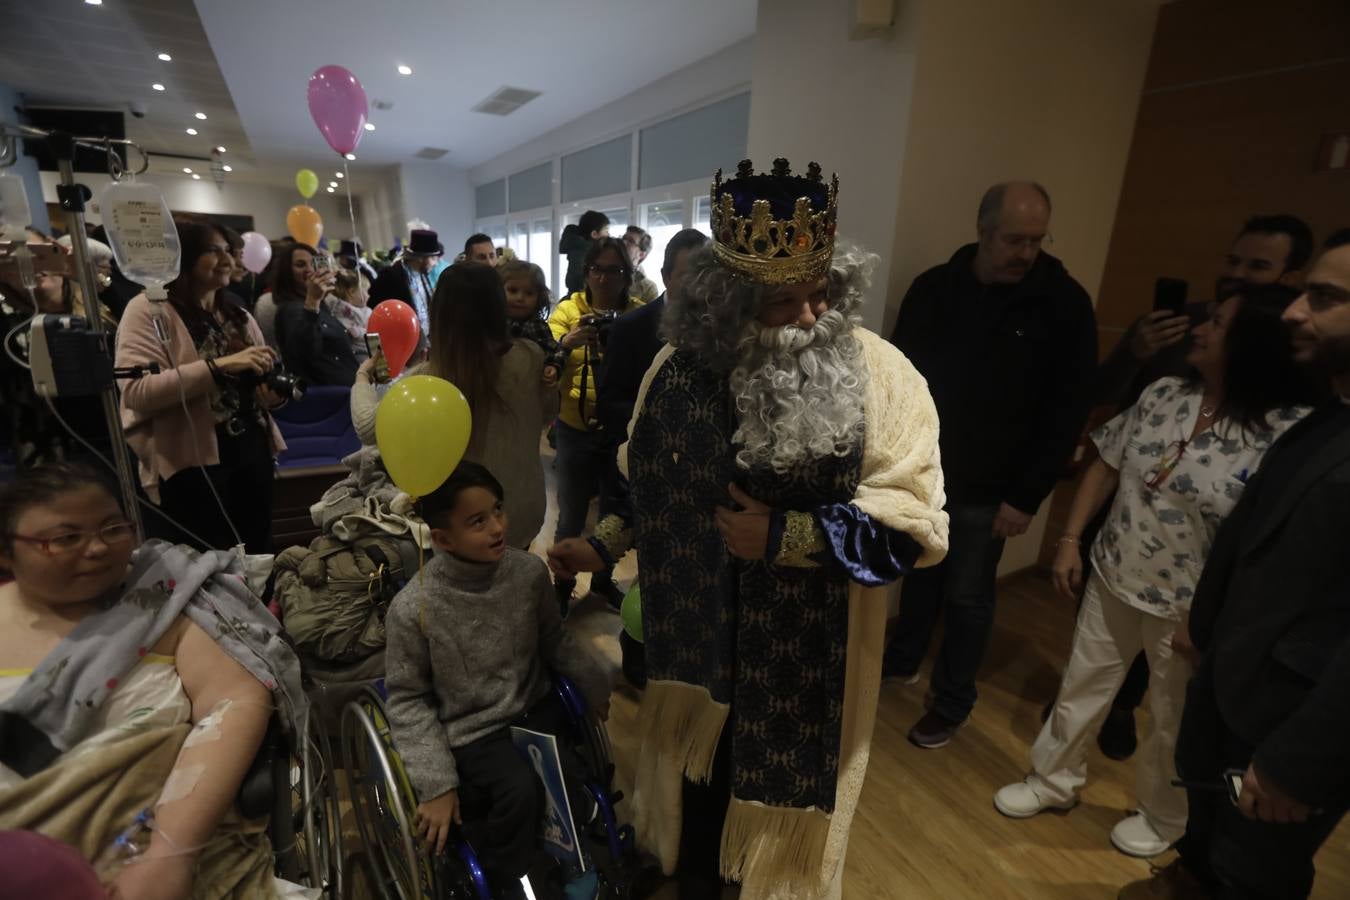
(72,197)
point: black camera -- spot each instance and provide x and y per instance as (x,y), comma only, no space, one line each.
(601,321)
(278,381)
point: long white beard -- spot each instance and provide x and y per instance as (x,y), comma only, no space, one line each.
(799,394)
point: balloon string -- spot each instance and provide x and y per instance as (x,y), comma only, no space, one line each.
(351,210)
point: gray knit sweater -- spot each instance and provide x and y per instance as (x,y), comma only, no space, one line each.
(469,650)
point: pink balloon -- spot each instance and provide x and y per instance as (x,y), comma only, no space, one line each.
(338,104)
(257,252)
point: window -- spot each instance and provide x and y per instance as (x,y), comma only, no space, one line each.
(520,239)
(663,221)
(703,215)
(541,247)
(490,199)
(694,145)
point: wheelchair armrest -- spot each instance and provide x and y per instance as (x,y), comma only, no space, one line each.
(570,695)
(265,775)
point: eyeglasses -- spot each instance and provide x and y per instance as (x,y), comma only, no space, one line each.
(1171,458)
(607,271)
(1014,242)
(112,535)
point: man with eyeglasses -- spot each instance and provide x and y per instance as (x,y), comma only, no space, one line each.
(1008,343)
(1264,739)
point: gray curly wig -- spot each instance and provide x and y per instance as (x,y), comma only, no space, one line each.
(798,394)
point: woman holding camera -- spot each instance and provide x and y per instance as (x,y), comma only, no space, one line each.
(580,325)
(201,426)
(314,344)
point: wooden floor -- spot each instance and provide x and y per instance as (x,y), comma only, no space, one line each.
(926,826)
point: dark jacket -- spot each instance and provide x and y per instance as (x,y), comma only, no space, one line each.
(391,284)
(634,341)
(1122,377)
(1272,614)
(574,245)
(315,345)
(1010,368)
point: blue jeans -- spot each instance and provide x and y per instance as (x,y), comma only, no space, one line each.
(962,589)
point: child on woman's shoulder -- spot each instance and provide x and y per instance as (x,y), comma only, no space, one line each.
(527,305)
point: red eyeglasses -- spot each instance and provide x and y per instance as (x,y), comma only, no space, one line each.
(1171,458)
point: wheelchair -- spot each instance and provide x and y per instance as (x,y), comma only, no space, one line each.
(294,786)
(297,785)
(384,804)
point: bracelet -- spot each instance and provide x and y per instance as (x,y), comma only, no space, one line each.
(1068,539)
(215,372)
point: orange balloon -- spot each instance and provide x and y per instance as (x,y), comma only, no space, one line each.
(304,224)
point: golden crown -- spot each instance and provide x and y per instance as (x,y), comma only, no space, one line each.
(795,247)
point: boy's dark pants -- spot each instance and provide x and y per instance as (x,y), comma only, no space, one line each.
(501,798)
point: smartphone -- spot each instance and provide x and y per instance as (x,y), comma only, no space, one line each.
(376,350)
(322,262)
(1169,295)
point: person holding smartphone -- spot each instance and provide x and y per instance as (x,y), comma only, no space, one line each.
(314,344)
(1176,463)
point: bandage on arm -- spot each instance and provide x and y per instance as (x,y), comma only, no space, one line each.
(230,711)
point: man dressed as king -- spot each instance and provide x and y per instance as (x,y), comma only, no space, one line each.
(782,469)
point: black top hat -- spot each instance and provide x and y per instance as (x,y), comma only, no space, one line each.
(349,248)
(424,243)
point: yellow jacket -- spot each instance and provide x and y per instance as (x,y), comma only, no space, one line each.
(566,316)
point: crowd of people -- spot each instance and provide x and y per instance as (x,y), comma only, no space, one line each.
(775,465)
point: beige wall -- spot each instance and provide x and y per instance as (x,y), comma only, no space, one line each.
(964,93)
(1041,89)
(817,95)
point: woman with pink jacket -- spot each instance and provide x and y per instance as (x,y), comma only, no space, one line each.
(201,428)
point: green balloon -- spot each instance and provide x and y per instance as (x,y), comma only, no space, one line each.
(631,613)
(306,182)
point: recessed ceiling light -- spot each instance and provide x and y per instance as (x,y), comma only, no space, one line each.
(370,126)
(94,2)
(220,149)
(332,184)
(351,156)
(196,178)
(192,131)
(157,86)
(186,170)
(201,116)
(338,175)
(228,168)
(332,190)
(164,57)
(405,70)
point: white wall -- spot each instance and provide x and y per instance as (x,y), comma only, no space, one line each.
(26,167)
(848,110)
(267,205)
(441,196)
(380,215)
(724,73)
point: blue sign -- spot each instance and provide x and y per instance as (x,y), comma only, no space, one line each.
(558,829)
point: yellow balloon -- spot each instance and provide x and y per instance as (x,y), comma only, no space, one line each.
(422,428)
(306,182)
(304,224)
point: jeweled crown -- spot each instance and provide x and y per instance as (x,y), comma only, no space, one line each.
(776,228)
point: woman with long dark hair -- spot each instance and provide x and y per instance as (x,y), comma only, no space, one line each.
(313,343)
(503,380)
(201,427)
(585,454)
(1177,462)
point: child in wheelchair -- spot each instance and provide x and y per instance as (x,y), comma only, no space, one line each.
(471,641)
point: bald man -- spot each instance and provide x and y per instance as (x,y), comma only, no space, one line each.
(1008,343)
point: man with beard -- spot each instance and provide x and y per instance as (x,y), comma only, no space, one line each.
(784,466)
(1269,632)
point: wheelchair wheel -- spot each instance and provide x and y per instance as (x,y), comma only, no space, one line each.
(384,803)
(305,829)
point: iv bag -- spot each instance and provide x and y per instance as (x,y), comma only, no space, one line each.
(142,235)
(14,213)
